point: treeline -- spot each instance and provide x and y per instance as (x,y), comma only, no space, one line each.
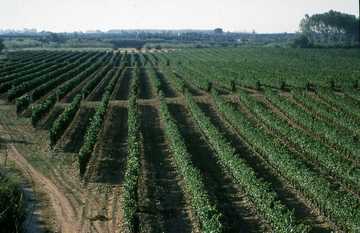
(328,29)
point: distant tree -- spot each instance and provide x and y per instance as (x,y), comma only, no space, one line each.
(2,46)
(302,42)
(50,37)
(330,27)
(57,38)
(219,31)
(138,44)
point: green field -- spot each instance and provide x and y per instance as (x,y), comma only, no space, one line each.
(192,140)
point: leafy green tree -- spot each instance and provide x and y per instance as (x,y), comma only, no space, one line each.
(218,31)
(330,27)
(56,38)
(2,46)
(302,42)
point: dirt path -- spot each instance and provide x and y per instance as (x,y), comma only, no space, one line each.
(64,212)
(62,199)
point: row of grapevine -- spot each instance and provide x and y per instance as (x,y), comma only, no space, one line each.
(31,68)
(63,121)
(355,97)
(37,78)
(52,79)
(11,64)
(155,81)
(310,147)
(132,170)
(118,60)
(260,192)
(72,83)
(271,66)
(339,137)
(147,60)
(26,57)
(207,213)
(95,126)
(182,72)
(36,72)
(138,60)
(21,57)
(83,69)
(40,110)
(202,74)
(177,82)
(24,101)
(338,206)
(205,210)
(37,68)
(327,112)
(19,69)
(350,107)
(89,86)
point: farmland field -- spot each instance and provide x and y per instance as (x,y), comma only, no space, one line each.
(192,140)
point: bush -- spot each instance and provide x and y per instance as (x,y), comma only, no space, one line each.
(22,103)
(40,110)
(302,42)
(64,120)
(12,207)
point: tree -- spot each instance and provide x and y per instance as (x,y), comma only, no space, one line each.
(218,31)
(2,46)
(302,42)
(128,44)
(330,27)
(56,38)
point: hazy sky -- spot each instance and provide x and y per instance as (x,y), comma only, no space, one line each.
(234,15)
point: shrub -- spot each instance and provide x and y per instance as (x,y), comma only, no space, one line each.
(302,42)
(12,207)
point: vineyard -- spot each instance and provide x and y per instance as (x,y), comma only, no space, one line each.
(192,140)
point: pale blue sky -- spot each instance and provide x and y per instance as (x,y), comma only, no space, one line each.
(234,15)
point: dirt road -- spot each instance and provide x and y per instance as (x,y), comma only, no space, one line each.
(64,212)
(67,204)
